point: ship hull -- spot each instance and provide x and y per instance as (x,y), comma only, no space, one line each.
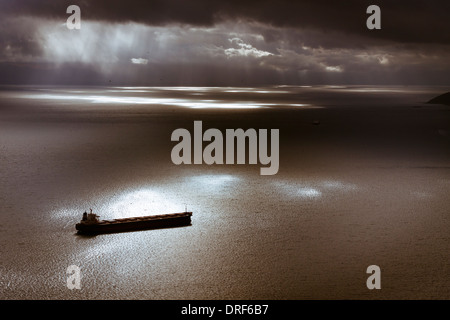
(136,224)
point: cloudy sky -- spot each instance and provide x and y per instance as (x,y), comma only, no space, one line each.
(229,42)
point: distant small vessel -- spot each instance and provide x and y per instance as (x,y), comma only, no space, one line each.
(90,223)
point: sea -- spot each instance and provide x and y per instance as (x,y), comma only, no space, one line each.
(363,180)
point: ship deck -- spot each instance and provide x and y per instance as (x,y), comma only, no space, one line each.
(145,218)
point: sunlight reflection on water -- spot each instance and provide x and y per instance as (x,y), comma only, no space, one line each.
(313,190)
(152,200)
(142,202)
(213,182)
(188,103)
(158,96)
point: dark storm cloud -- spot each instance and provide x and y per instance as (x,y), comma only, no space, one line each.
(402,21)
(18,41)
(200,42)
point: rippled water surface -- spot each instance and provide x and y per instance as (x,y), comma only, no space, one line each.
(364,179)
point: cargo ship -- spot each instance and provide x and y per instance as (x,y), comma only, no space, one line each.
(91,224)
